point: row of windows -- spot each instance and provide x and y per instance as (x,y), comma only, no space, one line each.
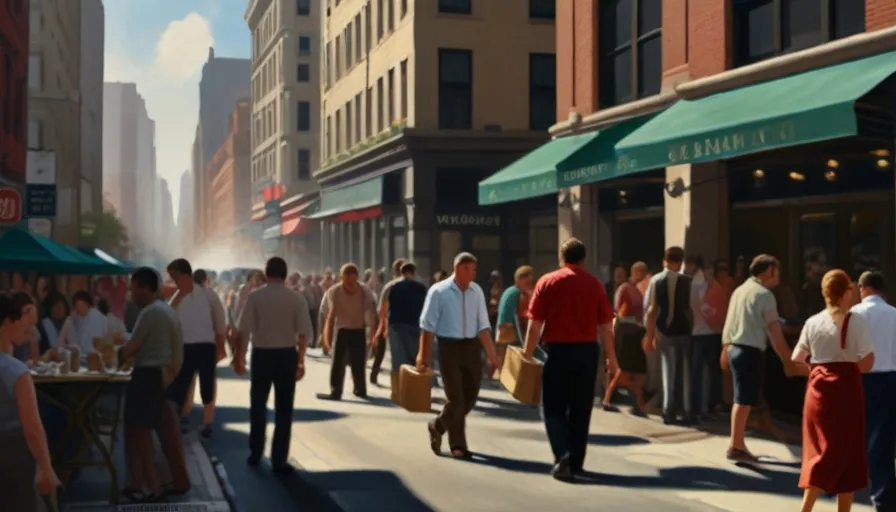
(456,90)
(265,165)
(630,50)
(354,122)
(538,9)
(356,39)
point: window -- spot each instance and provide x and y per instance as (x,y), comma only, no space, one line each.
(390,15)
(456,6)
(303,73)
(542,9)
(404,8)
(304,121)
(327,65)
(357,121)
(368,113)
(455,89)
(304,164)
(303,7)
(338,131)
(359,51)
(390,98)
(328,137)
(630,58)
(379,19)
(367,29)
(347,37)
(338,49)
(349,133)
(380,107)
(36,71)
(542,91)
(766,28)
(305,45)
(403,83)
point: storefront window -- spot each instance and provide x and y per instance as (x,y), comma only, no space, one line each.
(630,50)
(450,243)
(818,254)
(867,230)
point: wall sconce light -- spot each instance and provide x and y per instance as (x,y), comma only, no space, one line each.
(883,164)
(833,164)
(623,197)
(881,153)
(797,176)
(830,175)
(758,174)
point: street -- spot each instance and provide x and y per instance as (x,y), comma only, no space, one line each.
(371,456)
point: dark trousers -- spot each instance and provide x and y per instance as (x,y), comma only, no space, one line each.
(352,348)
(272,367)
(706,352)
(880,428)
(199,358)
(314,329)
(378,355)
(570,374)
(461,370)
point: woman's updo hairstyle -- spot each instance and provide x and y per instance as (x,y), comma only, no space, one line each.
(834,286)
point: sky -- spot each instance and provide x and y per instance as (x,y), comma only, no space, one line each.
(161,46)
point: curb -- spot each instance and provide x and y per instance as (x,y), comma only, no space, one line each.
(224,482)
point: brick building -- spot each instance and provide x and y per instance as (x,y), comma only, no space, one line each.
(230,200)
(13,89)
(728,128)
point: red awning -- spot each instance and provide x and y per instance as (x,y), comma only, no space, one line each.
(295,226)
(369,213)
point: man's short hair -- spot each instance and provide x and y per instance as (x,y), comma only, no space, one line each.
(464,258)
(396,266)
(349,268)
(83,296)
(200,276)
(146,277)
(276,268)
(408,267)
(873,279)
(762,263)
(181,266)
(695,260)
(573,251)
(674,255)
(524,271)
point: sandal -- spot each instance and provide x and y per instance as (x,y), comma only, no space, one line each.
(461,453)
(435,439)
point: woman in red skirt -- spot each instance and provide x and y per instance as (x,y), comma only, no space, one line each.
(838,347)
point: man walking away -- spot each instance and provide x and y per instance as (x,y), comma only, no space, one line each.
(456,311)
(312,301)
(350,309)
(705,342)
(404,301)
(880,409)
(278,323)
(156,333)
(201,316)
(668,327)
(752,320)
(382,331)
(568,309)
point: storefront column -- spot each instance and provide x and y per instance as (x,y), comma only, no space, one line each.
(420,193)
(324,242)
(374,231)
(363,233)
(577,216)
(698,220)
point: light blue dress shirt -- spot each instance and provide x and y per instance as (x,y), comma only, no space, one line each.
(449,312)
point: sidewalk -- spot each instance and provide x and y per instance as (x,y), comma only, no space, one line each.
(88,490)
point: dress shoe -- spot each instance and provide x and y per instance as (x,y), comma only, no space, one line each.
(561,470)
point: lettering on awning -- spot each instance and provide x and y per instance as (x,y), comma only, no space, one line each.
(462,220)
(732,143)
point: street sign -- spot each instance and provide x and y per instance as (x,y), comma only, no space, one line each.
(42,227)
(10,206)
(40,201)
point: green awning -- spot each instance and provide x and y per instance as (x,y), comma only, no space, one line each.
(24,251)
(114,265)
(799,109)
(358,196)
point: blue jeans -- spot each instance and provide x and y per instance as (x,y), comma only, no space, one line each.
(880,428)
(706,352)
(404,343)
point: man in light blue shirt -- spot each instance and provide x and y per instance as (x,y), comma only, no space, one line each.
(456,312)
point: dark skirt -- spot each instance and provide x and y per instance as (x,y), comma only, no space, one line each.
(629,352)
(834,456)
(17,471)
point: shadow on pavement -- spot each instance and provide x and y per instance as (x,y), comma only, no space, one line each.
(595,439)
(506,409)
(241,415)
(366,490)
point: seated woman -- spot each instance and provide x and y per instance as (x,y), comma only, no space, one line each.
(50,327)
(85,324)
(26,457)
(838,346)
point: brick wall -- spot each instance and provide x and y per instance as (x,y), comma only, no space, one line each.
(576,64)
(879,14)
(708,49)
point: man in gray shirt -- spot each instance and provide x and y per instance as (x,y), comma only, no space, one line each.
(278,322)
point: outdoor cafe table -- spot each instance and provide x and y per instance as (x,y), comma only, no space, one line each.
(77,395)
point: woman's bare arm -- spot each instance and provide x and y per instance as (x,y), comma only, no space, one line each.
(32,426)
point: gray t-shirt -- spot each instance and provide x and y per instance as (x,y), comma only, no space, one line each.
(11,369)
(159,329)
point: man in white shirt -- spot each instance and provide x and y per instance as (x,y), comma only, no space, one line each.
(204,327)
(880,409)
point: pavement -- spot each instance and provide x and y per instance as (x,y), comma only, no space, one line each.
(359,456)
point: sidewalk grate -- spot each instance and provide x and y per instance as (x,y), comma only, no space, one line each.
(166,507)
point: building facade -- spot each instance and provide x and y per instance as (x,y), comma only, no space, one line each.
(286,105)
(54,104)
(224,81)
(14,25)
(184,219)
(421,101)
(93,29)
(231,192)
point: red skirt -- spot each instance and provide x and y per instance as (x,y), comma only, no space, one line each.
(834,456)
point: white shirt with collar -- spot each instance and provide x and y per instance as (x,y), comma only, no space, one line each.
(201,315)
(881,320)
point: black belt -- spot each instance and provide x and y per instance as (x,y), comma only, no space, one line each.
(442,338)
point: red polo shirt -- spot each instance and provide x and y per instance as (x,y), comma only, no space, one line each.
(571,303)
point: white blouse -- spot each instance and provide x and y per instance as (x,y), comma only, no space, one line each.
(820,339)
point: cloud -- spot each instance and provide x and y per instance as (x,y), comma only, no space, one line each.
(169,82)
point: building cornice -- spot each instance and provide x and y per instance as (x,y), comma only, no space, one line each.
(254,12)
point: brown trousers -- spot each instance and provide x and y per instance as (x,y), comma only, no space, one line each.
(461,366)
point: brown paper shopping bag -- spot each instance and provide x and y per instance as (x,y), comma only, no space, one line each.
(522,377)
(415,389)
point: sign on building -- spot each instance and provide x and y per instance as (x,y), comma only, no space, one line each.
(10,206)
(40,201)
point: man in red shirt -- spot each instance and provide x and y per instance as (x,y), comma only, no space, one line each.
(567,309)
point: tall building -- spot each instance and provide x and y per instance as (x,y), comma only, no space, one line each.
(129,161)
(14,91)
(185,212)
(224,81)
(54,104)
(421,101)
(286,35)
(164,228)
(231,194)
(93,28)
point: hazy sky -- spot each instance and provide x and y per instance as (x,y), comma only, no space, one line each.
(161,46)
